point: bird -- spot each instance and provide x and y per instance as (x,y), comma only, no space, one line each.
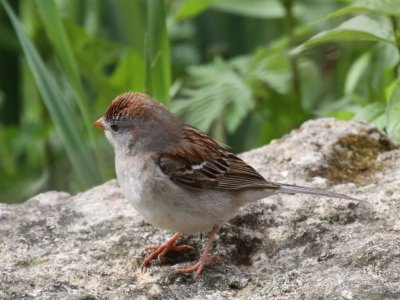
(178,178)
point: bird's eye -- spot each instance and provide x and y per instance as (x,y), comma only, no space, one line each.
(114,127)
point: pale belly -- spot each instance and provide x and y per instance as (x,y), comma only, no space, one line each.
(166,205)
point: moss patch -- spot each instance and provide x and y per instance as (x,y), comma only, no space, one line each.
(353,158)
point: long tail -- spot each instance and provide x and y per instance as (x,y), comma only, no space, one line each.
(291,189)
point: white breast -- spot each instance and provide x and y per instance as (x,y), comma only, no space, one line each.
(166,205)
(134,177)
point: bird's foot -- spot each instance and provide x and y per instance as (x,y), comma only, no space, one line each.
(197,267)
(161,251)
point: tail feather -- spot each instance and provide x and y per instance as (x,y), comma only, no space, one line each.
(291,189)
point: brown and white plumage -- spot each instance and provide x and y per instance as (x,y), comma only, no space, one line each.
(176,176)
(198,162)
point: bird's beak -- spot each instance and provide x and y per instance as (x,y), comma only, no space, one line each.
(99,124)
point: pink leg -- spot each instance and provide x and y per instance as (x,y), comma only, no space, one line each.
(205,258)
(162,250)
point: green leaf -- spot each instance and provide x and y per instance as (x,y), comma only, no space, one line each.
(359,28)
(247,8)
(310,83)
(371,112)
(131,20)
(192,8)
(95,55)
(59,41)
(384,60)
(69,131)
(143,24)
(393,114)
(19,188)
(123,78)
(384,7)
(63,49)
(372,72)
(357,73)
(158,58)
(251,8)
(269,67)
(217,92)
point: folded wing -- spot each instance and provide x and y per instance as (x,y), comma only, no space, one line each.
(198,162)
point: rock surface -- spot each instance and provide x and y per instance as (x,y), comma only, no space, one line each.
(89,246)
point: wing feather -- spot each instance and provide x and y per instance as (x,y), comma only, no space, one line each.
(198,162)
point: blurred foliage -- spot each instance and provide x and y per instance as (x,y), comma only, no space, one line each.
(246,71)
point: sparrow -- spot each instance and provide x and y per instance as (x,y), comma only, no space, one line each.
(177,177)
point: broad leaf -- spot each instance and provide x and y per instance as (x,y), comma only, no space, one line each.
(359,28)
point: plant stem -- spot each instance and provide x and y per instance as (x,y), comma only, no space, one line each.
(396,34)
(289,25)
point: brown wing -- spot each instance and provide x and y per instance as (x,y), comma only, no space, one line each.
(200,163)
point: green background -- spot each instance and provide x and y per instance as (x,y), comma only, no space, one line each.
(245,71)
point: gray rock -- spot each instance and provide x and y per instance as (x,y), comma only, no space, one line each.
(89,246)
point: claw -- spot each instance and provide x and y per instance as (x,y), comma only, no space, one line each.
(197,267)
(162,250)
(204,259)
